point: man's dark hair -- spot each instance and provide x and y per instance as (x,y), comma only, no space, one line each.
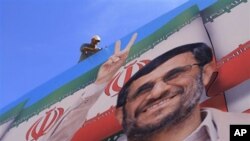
(202,53)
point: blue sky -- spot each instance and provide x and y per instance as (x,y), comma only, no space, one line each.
(39,39)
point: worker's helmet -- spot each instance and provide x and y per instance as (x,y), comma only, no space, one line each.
(96,37)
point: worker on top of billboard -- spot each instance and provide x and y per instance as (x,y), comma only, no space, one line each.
(161,101)
(88,49)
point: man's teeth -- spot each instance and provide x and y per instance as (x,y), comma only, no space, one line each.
(160,103)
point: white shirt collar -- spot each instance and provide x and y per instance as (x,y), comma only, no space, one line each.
(207,129)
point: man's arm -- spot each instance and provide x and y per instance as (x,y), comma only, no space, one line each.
(75,116)
(91,49)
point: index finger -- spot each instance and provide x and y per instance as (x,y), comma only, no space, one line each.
(117,47)
(131,42)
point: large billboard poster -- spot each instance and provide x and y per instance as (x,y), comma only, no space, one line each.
(83,108)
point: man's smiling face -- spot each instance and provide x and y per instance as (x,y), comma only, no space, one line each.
(163,97)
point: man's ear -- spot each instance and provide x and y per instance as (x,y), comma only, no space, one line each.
(209,72)
(119,114)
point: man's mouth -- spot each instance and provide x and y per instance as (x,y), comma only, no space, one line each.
(158,103)
(165,100)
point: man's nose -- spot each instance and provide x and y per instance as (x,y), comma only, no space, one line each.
(158,90)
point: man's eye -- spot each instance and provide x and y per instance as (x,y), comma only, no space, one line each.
(144,91)
(174,74)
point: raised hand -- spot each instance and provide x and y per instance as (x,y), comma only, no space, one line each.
(112,65)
